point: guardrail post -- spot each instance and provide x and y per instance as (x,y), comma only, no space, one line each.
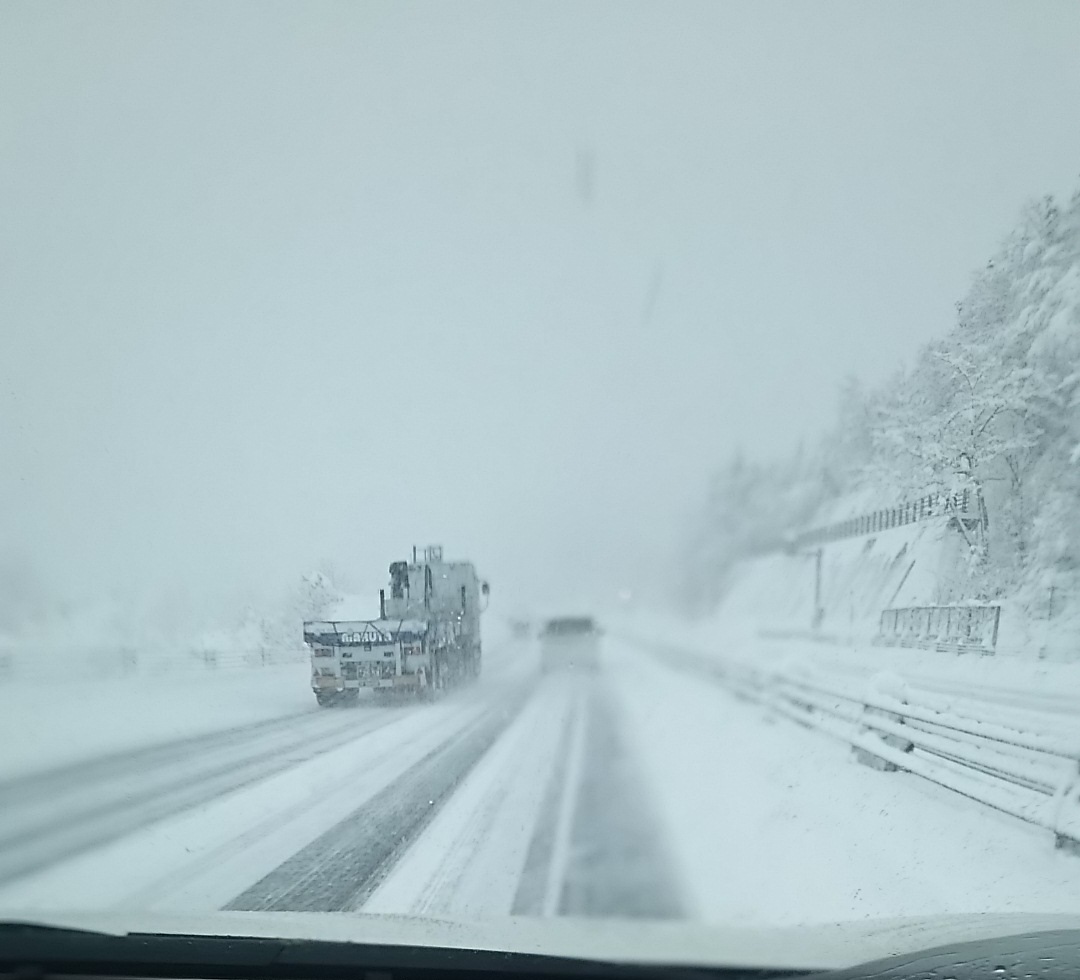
(865,756)
(1067,815)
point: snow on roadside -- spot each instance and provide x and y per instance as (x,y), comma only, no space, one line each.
(772,825)
(42,726)
(1046,685)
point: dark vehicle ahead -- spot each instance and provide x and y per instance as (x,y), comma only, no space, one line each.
(570,643)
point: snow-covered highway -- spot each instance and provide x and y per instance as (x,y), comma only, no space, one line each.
(636,792)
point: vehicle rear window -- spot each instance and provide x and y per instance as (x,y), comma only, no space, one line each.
(577,624)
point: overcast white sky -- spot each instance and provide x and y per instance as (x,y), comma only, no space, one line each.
(282,283)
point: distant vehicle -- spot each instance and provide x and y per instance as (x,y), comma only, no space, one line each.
(426,639)
(570,642)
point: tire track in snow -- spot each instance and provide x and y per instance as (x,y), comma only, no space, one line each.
(92,772)
(344,866)
(48,785)
(467,863)
(123,794)
(529,899)
(64,813)
(620,867)
(598,849)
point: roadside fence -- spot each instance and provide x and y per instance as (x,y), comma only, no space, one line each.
(945,628)
(924,508)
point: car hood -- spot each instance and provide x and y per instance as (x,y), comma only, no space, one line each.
(685,943)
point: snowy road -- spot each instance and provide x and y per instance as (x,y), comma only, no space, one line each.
(635,792)
(505,798)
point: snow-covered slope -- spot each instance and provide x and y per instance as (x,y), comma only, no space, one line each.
(904,566)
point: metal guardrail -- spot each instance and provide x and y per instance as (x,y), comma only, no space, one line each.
(931,506)
(980,750)
(960,628)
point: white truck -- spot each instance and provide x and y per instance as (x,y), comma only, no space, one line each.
(426,639)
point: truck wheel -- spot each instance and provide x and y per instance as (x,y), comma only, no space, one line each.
(436,685)
(350,695)
(326,699)
(426,691)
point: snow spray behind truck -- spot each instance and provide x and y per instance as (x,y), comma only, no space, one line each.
(426,639)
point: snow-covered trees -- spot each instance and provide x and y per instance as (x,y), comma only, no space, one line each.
(314,597)
(993,407)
